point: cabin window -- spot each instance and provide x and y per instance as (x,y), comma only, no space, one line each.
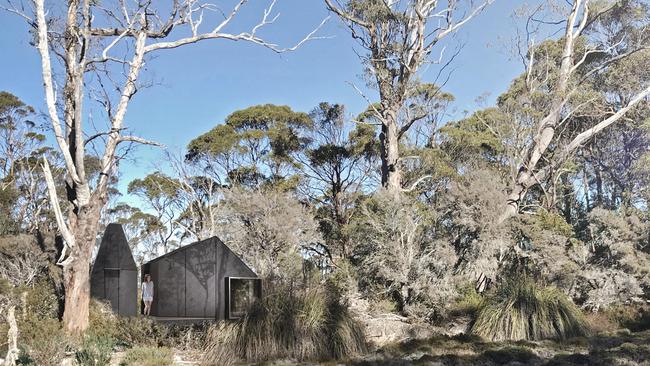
(242,292)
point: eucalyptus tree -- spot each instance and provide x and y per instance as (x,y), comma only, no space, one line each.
(97,51)
(560,83)
(23,193)
(339,163)
(254,146)
(142,229)
(160,193)
(398,37)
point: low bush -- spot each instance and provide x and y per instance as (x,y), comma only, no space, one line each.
(41,301)
(43,342)
(141,331)
(521,310)
(304,325)
(148,356)
(102,320)
(468,302)
(95,351)
(134,331)
(633,317)
(600,321)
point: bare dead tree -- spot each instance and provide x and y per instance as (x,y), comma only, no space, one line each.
(571,77)
(399,36)
(111,42)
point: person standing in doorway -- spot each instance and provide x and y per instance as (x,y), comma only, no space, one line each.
(147,294)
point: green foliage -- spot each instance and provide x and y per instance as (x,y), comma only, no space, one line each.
(155,186)
(141,331)
(95,351)
(148,356)
(129,331)
(263,117)
(221,140)
(43,341)
(521,310)
(473,136)
(102,320)
(554,222)
(42,301)
(469,301)
(305,325)
(253,146)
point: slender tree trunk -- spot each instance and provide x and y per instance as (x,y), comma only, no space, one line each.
(599,188)
(391,175)
(585,185)
(567,195)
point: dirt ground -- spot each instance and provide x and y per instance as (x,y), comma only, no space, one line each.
(618,348)
(608,349)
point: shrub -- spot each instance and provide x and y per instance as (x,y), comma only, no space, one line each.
(41,300)
(468,302)
(520,310)
(600,322)
(43,341)
(102,320)
(635,318)
(148,356)
(309,325)
(141,331)
(95,351)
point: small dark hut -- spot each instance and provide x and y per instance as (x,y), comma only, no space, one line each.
(203,280)
(114,274)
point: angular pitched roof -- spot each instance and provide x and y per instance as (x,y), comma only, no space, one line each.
(114,251)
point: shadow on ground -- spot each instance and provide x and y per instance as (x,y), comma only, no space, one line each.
(618,348)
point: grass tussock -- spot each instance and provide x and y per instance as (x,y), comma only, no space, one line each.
(148,356)
(305,325)
(521,310)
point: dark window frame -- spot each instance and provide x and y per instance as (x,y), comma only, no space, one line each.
(257,294)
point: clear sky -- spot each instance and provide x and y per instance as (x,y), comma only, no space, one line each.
(203,83)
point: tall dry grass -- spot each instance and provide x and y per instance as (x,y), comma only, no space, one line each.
(304,325)
(522,310)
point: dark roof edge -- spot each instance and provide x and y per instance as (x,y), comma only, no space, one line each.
(182,248)
(199,242)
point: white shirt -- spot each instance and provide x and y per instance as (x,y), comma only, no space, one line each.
(147,290)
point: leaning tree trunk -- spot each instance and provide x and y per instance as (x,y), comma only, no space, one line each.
(76,274)
(391,174)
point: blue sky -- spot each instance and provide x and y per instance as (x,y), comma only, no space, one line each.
(201,84)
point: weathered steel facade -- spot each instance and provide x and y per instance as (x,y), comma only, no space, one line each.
(191,281)
(114,275)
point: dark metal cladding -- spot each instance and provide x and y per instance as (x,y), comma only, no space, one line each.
(190,281)
(114,273)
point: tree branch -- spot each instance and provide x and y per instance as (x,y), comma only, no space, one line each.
(68,238)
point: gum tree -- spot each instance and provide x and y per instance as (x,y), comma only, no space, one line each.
(595,41)
(96,52)
(398,38)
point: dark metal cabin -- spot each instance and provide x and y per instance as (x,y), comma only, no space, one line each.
(203,280)
(114,273)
